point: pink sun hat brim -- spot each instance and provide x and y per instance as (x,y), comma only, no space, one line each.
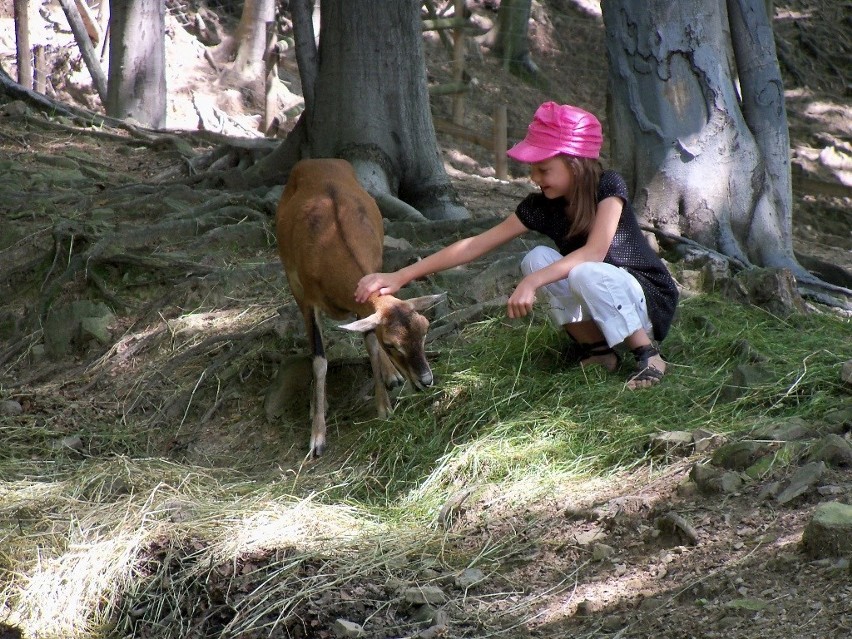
(559,129)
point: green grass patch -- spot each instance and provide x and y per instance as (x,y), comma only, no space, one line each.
(107,543)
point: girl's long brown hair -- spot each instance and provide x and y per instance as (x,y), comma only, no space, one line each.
(583,198)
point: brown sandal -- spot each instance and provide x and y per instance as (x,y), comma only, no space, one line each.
(645,371)
(598,349)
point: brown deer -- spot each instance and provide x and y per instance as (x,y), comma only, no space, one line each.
(330,234)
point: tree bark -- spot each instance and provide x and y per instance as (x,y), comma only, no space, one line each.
(370,105)
(512,45)
(698,124)
(137,62)
(81,35)
(249,63)
(22,42)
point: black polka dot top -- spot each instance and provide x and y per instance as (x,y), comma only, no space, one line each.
(629,249)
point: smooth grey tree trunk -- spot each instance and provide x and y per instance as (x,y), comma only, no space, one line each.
(698,124)
(137,62)
(249,65)
(367,101)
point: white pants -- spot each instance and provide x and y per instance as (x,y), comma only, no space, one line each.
(603,293)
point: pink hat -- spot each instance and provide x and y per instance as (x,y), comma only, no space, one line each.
(559,128)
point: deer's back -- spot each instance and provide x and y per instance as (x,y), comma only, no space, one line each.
(329,233)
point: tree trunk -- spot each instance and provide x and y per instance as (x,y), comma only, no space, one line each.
(84,42)
(512,45)
(370,105)
(137,56)
(249,65)
(22,41)
(699,126)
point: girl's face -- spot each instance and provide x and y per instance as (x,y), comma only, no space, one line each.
(552,176)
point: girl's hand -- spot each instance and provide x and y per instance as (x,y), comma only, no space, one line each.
(383,283)
(522,299)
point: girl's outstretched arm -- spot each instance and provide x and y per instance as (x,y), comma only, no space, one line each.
(455,254)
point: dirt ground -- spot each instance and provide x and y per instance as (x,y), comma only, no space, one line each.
(747,577)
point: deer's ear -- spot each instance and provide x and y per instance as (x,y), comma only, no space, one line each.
(424,302)
(363,325)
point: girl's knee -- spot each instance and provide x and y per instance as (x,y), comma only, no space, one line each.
(538,258)
(583,276)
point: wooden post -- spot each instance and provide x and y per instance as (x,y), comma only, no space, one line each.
(501,165)
(22,39)
(39,70)
(458,64)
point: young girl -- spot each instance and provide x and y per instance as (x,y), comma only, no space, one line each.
(605,285)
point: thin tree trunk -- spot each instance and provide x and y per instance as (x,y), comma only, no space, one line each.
(22,41)
(78,28)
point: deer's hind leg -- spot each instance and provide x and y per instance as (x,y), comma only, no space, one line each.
(319,402)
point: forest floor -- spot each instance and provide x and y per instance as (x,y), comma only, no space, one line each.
(750,551)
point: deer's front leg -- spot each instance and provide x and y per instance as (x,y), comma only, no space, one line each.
(374,350)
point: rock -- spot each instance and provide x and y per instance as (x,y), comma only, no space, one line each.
(601,552)
(11,407)
(433,632)
(423,613)
(469,577)
(71,442)
(589,537)
(834,450)
(829,532)
(846,373)
(677,443)
(838,420)
(744,378)
(15,109)
(761,468)
(788,430)
(692,280)
(801,482)
(343,628)
(738,455)
(585,608)
(704,440)
(710,479)
(419,595)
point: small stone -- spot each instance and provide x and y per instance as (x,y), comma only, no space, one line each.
(833,450)
(801,482)
(671,443)
(11,407)
(424,595)
(343,628)
(602,551)
(469,577)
